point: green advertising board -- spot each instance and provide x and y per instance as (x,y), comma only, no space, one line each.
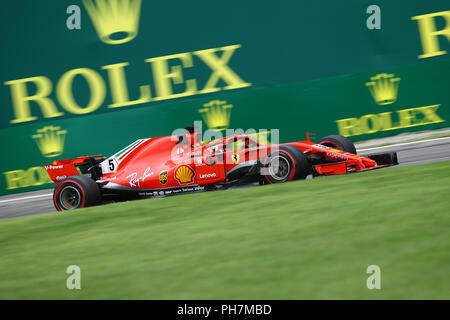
(89,77)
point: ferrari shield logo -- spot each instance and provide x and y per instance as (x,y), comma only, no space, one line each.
(235,157)
(163,177)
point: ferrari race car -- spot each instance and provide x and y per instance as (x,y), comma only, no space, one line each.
(182,163)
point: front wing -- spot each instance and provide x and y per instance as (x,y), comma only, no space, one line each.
(382,160)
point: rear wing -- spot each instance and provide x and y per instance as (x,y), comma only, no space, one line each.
(61,169)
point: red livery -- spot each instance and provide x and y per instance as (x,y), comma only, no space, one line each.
(180,163)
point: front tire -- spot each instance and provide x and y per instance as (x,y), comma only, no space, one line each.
(338,142)
(287,164)
(76,192)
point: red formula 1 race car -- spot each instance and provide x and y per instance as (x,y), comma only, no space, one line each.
(175,164)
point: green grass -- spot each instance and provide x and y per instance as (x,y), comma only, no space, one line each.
(308,239)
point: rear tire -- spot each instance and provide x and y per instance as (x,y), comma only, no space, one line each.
(338,142)
(76,192)
(292,165)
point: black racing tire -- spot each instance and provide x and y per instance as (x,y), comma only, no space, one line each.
(292,165)
(338,142)
(76,192)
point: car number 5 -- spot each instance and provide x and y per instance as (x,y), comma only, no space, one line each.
(111,164)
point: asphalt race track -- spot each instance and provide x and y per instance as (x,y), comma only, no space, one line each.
(409,154)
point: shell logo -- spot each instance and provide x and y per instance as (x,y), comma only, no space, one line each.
(184,174)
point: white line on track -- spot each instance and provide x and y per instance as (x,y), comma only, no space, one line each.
(405,144)
(26,198)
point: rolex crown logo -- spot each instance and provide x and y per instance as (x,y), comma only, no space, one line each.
(384,88)
(50,141)
(116,21)
(216,114)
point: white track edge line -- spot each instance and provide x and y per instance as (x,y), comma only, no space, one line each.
(26,198)
(404,144)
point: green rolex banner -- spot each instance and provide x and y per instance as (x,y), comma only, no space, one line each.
(88,77)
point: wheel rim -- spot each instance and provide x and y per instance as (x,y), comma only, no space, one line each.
(69,198)
(279,168)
